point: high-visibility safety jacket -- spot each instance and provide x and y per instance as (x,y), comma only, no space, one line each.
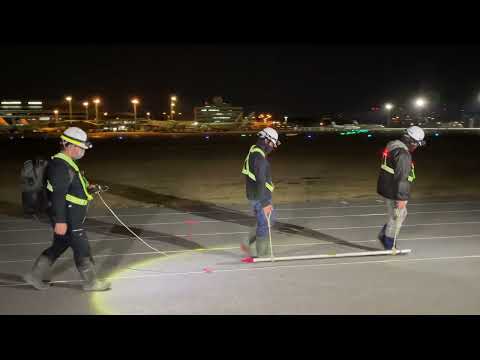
(82,201)
(246,167)
(397,172)
(384,166)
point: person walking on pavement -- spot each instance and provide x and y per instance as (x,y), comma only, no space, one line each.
(259,189)
(68,195)
(397,173)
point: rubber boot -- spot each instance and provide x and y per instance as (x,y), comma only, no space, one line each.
(381,235)
(388,243)
(39,271)
(92,283)
(263,247)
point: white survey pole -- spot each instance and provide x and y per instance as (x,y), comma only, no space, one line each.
(329,256)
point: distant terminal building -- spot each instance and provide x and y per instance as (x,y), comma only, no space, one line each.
(218,111)
(121,122)
(14,111)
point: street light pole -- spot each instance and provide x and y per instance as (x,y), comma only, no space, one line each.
(69,99)
(420,103)
(56,115)
(173,100)
(96,102)
(86,109)
(135,102)
(389,108)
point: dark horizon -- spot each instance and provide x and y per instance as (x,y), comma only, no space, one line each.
(296,80)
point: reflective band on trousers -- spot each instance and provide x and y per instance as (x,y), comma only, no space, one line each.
(72,198)
(388,169)
(246,168)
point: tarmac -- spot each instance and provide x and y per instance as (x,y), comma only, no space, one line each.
(203,273)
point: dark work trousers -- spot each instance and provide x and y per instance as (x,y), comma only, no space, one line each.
(76,237)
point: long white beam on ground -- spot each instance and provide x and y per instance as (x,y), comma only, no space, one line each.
(327,256)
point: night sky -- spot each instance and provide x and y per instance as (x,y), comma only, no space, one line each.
(297,80)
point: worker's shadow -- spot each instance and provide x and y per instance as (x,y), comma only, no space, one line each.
(219,213)
(16,281)
(115,250)
(13,281)
(121,247)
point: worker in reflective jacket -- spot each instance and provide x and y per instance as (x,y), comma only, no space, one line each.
(69,195)
(397,173)
(259,189)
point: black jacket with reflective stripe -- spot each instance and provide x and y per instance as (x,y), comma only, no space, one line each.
(259,165)
(64,180)
(396,186)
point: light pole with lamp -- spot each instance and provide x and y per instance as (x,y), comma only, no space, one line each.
(420,104)
(86,109)
(173,100)
(388,108)
(96,102)
(135,102)
(69,99)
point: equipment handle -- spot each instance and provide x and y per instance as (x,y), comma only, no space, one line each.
(270,236)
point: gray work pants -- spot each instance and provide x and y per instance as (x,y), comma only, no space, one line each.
(396,217)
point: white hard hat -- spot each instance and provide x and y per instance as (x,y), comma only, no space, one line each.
(76,136)
(417,134)
(270,134)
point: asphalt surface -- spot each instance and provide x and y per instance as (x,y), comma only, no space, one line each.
(202,272)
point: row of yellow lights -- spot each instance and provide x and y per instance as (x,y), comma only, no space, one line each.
(133,101)
(97,101)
